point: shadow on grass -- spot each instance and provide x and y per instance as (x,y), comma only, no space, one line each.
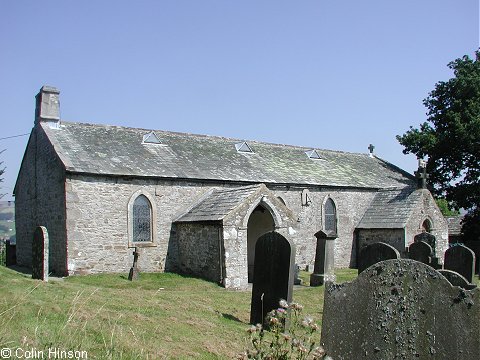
(20,269)
(231,317)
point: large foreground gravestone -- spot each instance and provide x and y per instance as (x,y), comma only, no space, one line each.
(460,259)
(375,253)
(273,276)
(324,259)
(401,309)
(40,246)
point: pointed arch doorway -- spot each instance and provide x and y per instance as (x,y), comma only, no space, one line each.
(260,222)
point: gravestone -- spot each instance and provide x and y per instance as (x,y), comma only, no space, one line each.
(134,272)
(429,239)
(40,246)
(460,259)
(420,251)
(324,259)
(10,253)
(456,279)
(375,253)
(400,309)
(273,276)
(296,278)
(474,245)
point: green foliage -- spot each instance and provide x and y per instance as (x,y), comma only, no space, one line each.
(445,208)
(450,137)
(299,340)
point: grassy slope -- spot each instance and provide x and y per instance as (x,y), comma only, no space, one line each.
(159,316)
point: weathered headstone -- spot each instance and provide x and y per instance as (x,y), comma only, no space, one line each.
(456,279)
(324,259)
(273,276)
(429,239)
(10,254)
(375,253)
(40,246)
(460,259)
(296,279)
(420,251)
(401,309)
(134,272)
(474,245)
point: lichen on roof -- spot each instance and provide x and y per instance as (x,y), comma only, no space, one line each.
(120,151)
(390,209)
(217,204)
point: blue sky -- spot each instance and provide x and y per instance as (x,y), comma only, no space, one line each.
(326,74)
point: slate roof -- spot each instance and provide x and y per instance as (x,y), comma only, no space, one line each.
(119,151)
(390,209)
(217,204)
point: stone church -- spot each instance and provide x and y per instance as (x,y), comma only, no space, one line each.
(196,204)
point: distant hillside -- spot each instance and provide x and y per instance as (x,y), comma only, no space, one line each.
(7,219)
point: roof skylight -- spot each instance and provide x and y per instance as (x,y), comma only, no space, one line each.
(313,154)
(151,138)
(243,147)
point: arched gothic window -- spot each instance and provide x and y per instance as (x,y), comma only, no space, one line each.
(142,220)
(330,216)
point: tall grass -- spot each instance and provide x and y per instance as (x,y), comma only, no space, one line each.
(158,316)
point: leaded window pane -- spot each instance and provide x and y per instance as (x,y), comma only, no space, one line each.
(330,216)
(142,219)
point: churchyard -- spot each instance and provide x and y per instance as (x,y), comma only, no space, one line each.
(158,316)
(397,308)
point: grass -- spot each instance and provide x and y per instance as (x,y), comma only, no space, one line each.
(158,316)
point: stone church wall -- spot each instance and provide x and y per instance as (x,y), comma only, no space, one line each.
(41,202)
(350,206)
(393,237)
(97,212)
(199,250)
(97,222)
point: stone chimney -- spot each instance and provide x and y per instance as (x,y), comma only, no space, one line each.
(47,107)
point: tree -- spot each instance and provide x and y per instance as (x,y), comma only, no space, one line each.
(445,208)
(450,139)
